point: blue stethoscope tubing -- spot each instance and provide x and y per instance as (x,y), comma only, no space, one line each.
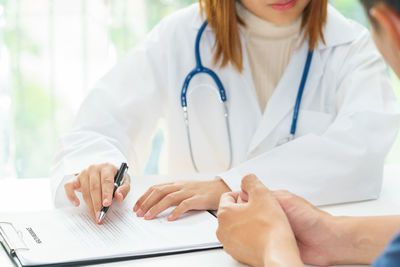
(300,94)
(201,69)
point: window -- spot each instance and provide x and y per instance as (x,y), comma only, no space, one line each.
(53,51)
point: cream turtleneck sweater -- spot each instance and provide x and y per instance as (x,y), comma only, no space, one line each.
(269,48)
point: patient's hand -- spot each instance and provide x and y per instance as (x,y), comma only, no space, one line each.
(96,184)
(185,195)
(315,230)
(254,229)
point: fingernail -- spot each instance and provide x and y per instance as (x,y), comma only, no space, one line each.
(121,196)
(75,203)
(170,217)
(135,208)
(97,215)
(140,213)
(105,202)
(148,215)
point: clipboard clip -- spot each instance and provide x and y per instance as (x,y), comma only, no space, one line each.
(11,238)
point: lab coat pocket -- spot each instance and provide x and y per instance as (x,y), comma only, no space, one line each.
(314,122)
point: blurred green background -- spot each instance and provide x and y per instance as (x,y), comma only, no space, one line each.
(53,51)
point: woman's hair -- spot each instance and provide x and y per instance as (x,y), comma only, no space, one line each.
(368,4)
(222,18)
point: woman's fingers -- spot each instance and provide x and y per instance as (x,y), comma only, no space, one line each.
(70,188)
(96,184)
(123,190)
(85,188)
(157,193)
(184,206)
(186,195)
(140,201)
(107,174)
(169,200)
(95,192)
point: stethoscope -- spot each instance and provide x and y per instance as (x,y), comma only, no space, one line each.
(201,69)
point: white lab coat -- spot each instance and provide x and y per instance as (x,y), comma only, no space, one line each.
(348,120)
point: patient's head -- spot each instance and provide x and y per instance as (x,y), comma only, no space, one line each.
(385,20)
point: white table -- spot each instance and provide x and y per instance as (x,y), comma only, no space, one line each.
(34,195)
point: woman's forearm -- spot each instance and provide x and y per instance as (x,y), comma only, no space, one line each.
(359,240)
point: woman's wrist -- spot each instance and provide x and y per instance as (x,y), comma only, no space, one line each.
(222,185)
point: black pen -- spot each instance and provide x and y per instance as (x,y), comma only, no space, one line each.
(118,180)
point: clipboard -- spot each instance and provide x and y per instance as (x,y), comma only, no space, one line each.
(13,240)
(11,252)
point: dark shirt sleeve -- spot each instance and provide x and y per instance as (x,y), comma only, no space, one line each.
(391,256)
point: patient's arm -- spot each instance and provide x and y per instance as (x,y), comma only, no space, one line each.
(362,239)
(324,239)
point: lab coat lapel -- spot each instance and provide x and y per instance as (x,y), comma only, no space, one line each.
(283,100)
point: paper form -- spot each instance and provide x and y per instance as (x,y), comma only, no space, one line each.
(71,235)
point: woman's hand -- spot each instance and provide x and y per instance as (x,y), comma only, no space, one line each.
(96,184)
(186,195)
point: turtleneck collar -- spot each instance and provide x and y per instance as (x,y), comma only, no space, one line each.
(258,26)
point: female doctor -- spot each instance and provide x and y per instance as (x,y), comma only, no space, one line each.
(289,90)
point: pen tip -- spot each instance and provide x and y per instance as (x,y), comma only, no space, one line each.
(101,217)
